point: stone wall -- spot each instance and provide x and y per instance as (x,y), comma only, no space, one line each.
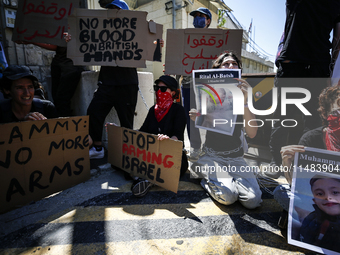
(36,58)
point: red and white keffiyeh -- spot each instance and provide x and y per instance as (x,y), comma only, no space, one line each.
(164,101)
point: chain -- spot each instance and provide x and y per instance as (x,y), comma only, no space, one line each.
(220,154)
(141,94)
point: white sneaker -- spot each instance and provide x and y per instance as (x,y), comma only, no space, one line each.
(95,153)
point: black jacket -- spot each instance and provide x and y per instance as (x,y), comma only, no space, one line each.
(311,228)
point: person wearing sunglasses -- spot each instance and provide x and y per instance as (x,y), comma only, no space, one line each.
(165,119)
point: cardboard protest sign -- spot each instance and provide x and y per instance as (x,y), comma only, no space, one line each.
(194,48)
(314,210)
(43,21)
(39,158)
(142,155)
(113,38)
(214,90)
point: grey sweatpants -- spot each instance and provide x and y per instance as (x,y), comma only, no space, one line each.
(230,179)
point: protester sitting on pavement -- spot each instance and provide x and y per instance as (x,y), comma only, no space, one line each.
(325,137)
(224,150)
(64,76)
(165,119)
(18,85)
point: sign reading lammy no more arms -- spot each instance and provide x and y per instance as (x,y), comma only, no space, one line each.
(142,155)
(39,158)
(43,21)
(194,48)
(113,38)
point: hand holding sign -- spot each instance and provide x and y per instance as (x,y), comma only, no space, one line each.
(35,116)
(67,37)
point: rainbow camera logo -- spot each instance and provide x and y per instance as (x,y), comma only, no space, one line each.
(211,95)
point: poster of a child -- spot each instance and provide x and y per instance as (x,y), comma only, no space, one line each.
(314,220)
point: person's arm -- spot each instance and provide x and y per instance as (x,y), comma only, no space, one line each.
(50,110)
(287,155)
(34,116)
(248,115)
(181,122)
(193,114)
(251,131)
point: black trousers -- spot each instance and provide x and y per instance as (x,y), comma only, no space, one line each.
(314,78)
(189,102)
(65,79)
(122,98)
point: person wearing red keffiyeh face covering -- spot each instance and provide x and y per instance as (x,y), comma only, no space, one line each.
(165,119)
(324,137)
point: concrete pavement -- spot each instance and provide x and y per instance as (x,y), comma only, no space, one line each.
(101,216)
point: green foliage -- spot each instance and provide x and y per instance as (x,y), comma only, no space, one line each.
(221,18)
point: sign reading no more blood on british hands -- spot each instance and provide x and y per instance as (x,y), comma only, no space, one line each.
(43,21)
(113,38)
(39,158)
(196,48)
(142,155)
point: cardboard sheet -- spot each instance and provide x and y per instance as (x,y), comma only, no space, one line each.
(113,38)
(196,48)
(142,155)
(43,21)
(39,158)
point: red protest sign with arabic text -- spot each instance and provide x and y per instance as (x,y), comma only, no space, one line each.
(193,48)
(43,21)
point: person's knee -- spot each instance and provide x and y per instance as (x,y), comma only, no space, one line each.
(226,200)
(252,199)
(224,196)
(220,193)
